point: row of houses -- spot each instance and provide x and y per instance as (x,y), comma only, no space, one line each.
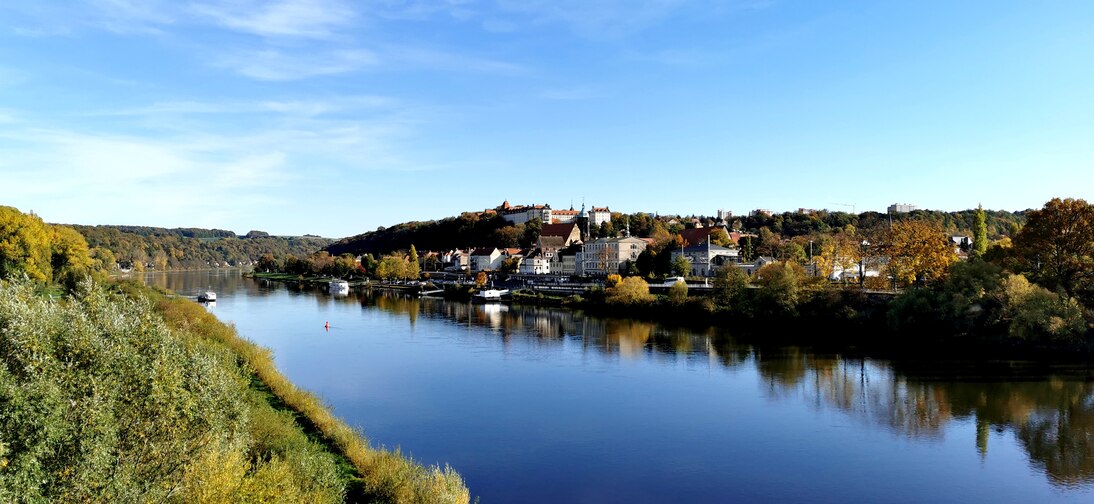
(561,251)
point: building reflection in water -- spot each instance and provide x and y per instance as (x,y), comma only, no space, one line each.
(1050,412)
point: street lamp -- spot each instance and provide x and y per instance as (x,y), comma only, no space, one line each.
(862,264)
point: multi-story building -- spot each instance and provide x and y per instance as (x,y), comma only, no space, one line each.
(609,255)
(565,261)
(707,259)
(486,259)
(902,208)
(521,214)
(554,237)
(535,263)
(455,260)
(600,215)
(563,216)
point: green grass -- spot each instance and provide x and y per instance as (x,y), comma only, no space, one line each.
(124,394)
(385,476)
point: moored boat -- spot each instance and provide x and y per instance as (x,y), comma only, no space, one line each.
(207,297)
(490,295)
(339,287)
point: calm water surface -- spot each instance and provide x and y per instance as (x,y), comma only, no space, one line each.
(542,405)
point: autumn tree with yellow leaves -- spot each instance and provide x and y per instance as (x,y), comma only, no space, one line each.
(839,252)
(40,251)
(919,251)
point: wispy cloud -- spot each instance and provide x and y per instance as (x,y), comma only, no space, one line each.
(154,174)
(273,18)
(290,107)
(566,94)
(282,65)
(284,18)
(675,57)
(600,19)
(421,57)
(423,9)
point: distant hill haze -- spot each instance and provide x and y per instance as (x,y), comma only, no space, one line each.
(184,248)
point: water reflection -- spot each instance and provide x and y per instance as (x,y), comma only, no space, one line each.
(1049,412)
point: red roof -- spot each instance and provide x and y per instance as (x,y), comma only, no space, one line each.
(696,236)
(563,230)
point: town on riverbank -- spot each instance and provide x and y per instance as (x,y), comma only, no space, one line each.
(978,279)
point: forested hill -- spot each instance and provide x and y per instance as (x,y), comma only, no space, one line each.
(467,230)
(473,230)
(182,248)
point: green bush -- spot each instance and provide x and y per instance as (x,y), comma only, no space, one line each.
(678,293)
(123,395)
(1037,314)
(630,291)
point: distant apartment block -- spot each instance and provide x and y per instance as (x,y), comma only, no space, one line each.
(562,216)
(600,215)
(902,208)
(608,255)
(521,214)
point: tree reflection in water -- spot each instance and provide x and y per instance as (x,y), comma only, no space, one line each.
(1050,412)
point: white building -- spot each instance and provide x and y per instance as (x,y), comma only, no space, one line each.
(707,259)
(902,208)
(600,215)
(536,263)
(752,267)
(455,260)
(608,255)
(521,214)
(486,259)
(565,261)
(562,216)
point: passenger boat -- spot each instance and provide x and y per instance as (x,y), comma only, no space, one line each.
(339,287)
(490,295)
(207,297)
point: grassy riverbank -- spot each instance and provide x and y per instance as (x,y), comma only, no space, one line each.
(120,393)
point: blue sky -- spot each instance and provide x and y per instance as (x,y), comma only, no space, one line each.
(335,117)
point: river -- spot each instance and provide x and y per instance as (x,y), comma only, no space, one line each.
(548,405)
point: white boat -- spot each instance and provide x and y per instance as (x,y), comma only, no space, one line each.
(207,297)
(339,287)
(490,294)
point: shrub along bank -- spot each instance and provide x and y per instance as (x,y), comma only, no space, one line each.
(120,394)
(977,306)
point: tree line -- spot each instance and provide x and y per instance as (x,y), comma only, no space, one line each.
(140,248)
(1032,289)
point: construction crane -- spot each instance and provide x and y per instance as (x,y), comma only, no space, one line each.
(852,205)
